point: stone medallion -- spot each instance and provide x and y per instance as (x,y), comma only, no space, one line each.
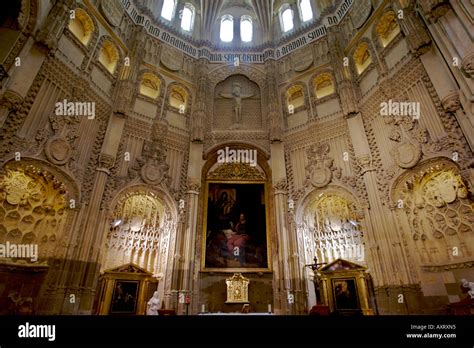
(360,12)
(57,151)
(112,11)
(321,177)
(171,59)
(302,59)
(152,174)
(407,155)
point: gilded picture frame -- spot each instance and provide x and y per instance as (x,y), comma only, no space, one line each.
(236,234)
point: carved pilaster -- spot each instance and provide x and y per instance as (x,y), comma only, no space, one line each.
(54,25)
(415,31)
(434,9)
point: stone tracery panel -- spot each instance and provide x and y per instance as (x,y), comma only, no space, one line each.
(439,210)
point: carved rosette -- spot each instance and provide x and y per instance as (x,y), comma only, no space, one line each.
(467,65)
(407,154)
(57,150)
(451,102)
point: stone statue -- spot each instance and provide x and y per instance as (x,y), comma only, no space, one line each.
(153,305)
(237,96)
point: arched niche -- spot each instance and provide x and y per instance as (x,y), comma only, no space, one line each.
(141,229)
(36,206)
(237,91)
(435,210)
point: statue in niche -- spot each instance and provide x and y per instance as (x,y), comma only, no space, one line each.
(237,96)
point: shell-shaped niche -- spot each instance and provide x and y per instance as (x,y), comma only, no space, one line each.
(27,223)
(14,236)
(11,220)
(28,238)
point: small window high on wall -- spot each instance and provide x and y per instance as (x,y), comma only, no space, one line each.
(306,10)
(150,85)
(287,19)
(187,17)
(109,56)
(362,57)
(81,26)
(178,98)
(294,98)
(323,85)
(246,28)
(227,28)
(167,11)
(387,28)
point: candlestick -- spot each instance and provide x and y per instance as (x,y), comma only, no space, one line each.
(269,308)
(203,308)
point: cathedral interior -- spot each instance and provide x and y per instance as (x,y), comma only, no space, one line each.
(262,156)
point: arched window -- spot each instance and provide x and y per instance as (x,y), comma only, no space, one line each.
(323,85)
(362,57)
(178,98)
(286,18)
(109,56)
(294,98)
(387,28)
(150,85)
(306,10)
(246,28)
(81,26)
(187,17)
(227,28)
(167,11)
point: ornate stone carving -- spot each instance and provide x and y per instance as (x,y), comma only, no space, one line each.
(281,185)
(112,11)
(302,59)
(451,102)
(106,161)
(415,32)
(56,21)
(57,150)
(467,65)
(319,171)
(197,130)
(360,12)
(236,171)
(171,58)
(407,154)
(11,100)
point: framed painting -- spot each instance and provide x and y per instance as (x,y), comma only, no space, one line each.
(235,227)
(124,297)
(345,294)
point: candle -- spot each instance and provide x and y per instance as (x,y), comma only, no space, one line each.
(203,308)
(269,308)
